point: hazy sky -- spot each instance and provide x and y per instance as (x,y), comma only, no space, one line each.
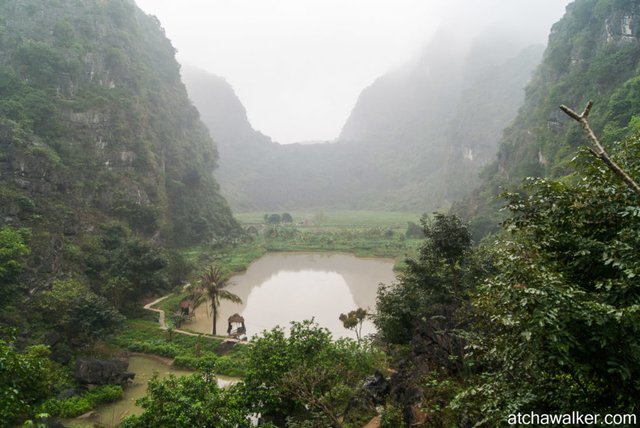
(298,66)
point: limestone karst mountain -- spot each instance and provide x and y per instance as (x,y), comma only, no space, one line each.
(401,144)
(593,53)
(95,127)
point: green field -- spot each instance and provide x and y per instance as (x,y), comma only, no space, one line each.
(339,218)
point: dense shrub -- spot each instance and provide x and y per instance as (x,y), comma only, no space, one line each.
(76,406)
(156,347)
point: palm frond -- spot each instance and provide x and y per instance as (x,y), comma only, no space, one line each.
(227,295)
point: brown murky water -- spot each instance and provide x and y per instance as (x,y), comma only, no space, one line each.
(283,287)
(110,414)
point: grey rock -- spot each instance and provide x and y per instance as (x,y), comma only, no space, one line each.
(103,372)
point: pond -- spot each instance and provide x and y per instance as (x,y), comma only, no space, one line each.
(283,287)
(144,367)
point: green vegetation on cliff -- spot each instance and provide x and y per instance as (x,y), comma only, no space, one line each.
(96,125)
(105,169)
(593,53)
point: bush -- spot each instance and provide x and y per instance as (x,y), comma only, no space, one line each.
(154,347)
(195,363)
(76,406)
(231,366)
(391,417)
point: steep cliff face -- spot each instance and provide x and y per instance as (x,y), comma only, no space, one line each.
(244,152)
(414,104)
(593,53)
(95,125)
(414,141)
(225,115)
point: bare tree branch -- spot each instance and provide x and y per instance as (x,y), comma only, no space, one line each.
(599,151)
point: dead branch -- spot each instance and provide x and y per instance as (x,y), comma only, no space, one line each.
(599,151)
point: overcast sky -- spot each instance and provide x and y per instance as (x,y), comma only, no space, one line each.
(298,66)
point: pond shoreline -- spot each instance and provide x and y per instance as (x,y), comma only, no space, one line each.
(333,282)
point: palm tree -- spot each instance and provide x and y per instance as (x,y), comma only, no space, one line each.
(213,283)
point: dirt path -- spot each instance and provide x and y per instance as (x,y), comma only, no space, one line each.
(163,323)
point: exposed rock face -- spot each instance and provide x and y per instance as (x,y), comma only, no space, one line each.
(622,27)
(593,54)
(402,148)
(93,105)
(96,126)
(103,372)
(377,387)
(373,393)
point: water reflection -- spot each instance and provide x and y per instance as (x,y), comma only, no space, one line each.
(281,287)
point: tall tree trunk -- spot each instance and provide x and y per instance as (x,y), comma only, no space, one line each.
(214,315)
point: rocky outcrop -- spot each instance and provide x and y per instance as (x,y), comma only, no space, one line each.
(103,372)
(96,125)
(377,387)
(593,54)
(373,393)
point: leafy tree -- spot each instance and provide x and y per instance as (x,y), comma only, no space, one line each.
(428,313)
(212,284)
(178,268)
(448,238)
(353,321)
(26,379)
(123,268)
(286,218)
(414,231)
(189,401)
(13,250)
(431,290)
(80,315)
(306,376)
(274,219)
(561,329)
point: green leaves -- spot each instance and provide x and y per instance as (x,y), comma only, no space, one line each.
(353,320)
(26,378)
(189,401)
(13,252)
(305,374)
(562,309)
(77,313)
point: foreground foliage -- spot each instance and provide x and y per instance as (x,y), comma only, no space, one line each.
(189,401)
(26,378)
(563,314)
(544,318)
(302,378)
(305,375)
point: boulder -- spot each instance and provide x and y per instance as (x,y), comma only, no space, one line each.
(377,388)
(102,372)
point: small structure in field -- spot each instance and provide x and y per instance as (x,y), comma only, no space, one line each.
(236,327)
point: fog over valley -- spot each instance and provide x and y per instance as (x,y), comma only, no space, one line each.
(298,66)
(397,77)
(319,213)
